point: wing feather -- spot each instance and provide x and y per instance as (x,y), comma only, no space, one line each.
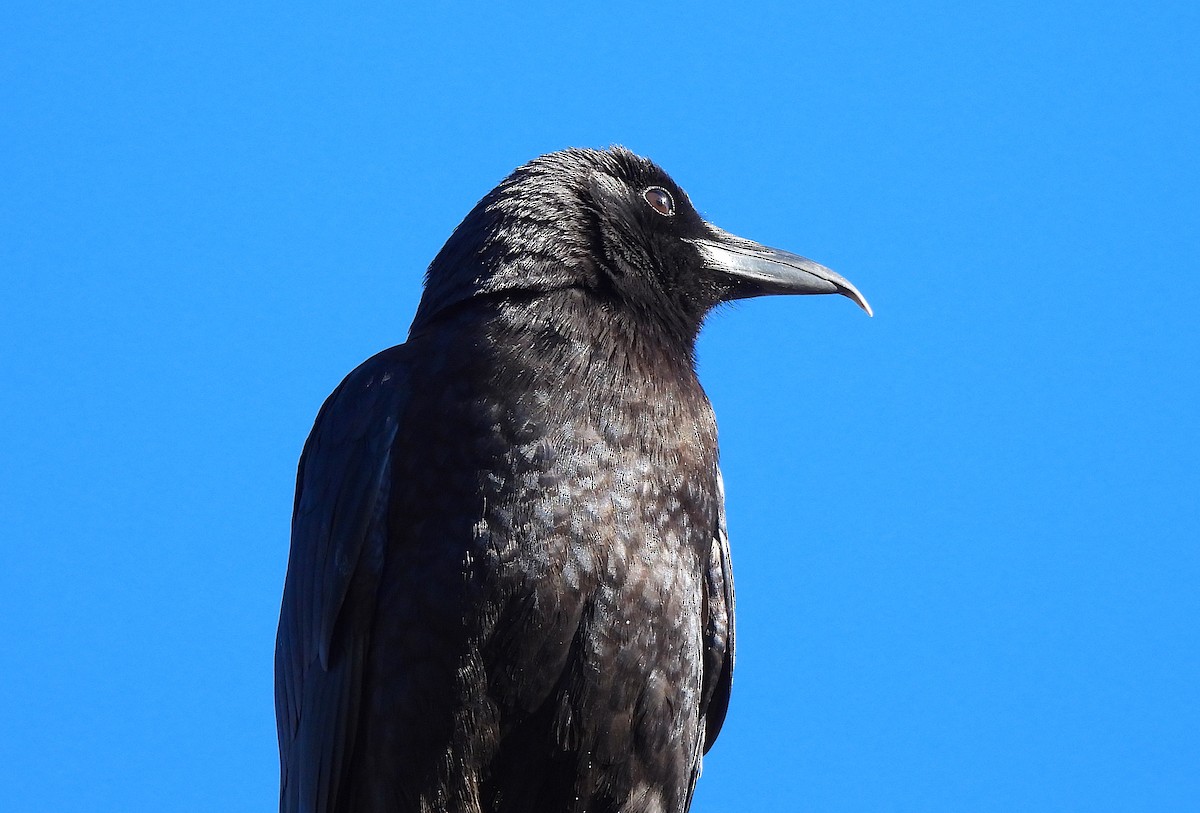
(338,539)
(719,632)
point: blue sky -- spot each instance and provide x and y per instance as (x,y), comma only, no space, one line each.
(964,531)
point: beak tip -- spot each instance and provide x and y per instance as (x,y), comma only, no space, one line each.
(860,300)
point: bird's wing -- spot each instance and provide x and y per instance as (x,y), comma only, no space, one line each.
(338,539)
(718,626)
(718,638)
(718,632)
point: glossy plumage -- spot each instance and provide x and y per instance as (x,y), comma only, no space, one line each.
(509,583)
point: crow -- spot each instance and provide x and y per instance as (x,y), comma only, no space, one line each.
(509,584)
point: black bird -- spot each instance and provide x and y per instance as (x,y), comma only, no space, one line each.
(509,586)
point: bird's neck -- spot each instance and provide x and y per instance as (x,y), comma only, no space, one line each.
(570,347)
(585,343)
(560,371)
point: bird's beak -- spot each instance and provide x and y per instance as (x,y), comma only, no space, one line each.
(757,270)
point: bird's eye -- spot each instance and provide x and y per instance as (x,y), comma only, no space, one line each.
(660,200)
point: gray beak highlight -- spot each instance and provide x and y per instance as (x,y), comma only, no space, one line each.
(758,270)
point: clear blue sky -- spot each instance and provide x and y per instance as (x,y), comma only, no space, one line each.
(964,532)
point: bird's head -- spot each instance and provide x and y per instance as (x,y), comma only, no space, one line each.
(616,227)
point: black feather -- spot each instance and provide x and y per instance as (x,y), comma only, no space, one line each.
(509,586)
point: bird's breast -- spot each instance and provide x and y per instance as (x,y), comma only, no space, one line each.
(548,538)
